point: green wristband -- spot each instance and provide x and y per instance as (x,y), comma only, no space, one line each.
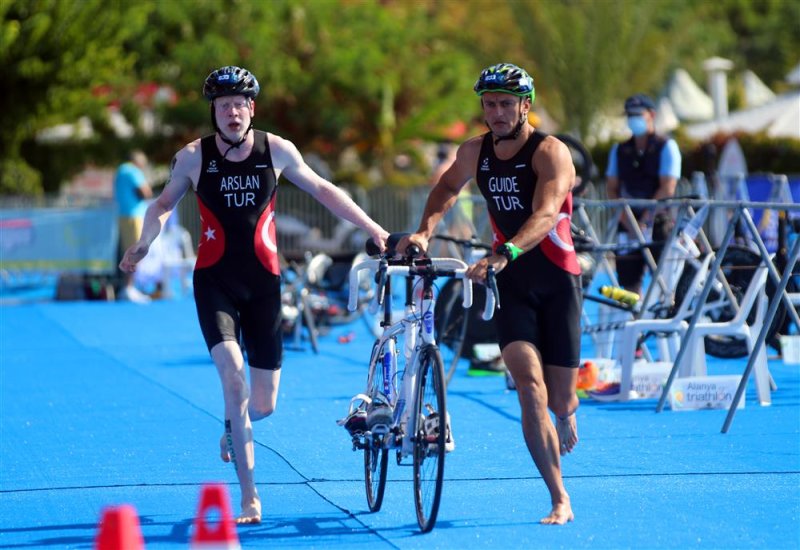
(510,251)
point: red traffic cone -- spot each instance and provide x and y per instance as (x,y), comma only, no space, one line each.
(119,529)
(223,535)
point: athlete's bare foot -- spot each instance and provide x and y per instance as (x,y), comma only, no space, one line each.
(567,430)
(559,515)
(251,512)
(224,453)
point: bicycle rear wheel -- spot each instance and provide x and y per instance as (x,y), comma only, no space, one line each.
(376,459)
(738,266)
(585,168)
(430,437)
(310,324)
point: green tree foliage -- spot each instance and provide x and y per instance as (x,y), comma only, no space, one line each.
(54,55)
(334,74)
(184,40)
(370,76)
(588,55)
(762,36)
(767,35)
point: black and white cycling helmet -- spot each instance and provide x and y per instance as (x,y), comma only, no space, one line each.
(506,78)
(230,80)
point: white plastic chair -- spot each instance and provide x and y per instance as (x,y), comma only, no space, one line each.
(677,324)
(754,296)
(672,262)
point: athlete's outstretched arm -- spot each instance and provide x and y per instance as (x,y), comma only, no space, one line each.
(184,167)
(289,161)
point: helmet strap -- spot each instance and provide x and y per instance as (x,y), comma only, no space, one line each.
(231,144)
(237,144)
(515,134)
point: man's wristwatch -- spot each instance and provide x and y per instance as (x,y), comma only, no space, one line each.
(509,250)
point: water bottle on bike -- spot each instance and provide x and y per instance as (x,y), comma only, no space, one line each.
(380,410)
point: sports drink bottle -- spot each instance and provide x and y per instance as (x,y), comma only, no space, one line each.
(620,295)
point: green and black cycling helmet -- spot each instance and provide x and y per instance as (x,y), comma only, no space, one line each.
(226,81)
(506,78)
(230,80)
(509,79)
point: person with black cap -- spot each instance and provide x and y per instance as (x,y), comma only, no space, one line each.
(647,166)
(234,173)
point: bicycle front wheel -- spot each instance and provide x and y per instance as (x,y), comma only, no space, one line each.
(376,459)
(430,437)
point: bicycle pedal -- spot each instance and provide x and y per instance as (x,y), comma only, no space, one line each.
(359,442)
(379,429)
(400,458)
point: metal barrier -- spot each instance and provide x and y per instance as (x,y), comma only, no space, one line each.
(301,219)
(740,212)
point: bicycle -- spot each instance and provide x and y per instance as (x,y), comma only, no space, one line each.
(298,306)
(408,418)
(739,265)
(326,280)
(585,169)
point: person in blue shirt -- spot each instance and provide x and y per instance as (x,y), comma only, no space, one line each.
(131,192)
(647,166)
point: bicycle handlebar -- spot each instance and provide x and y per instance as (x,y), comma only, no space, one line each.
(493,294)
(466,243)
(450,267)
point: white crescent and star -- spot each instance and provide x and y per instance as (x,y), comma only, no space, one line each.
(265,233)
(556,238)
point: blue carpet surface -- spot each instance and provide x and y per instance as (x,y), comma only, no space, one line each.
(113,403)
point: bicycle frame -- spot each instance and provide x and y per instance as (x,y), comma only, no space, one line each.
(412,420)
(417,328)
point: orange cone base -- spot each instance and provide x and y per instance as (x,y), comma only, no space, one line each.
(120,530)
(222,535)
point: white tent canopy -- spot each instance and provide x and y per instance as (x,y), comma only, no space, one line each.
(794,76)
(689,101)
(778,118)
(755,91)
(666,120)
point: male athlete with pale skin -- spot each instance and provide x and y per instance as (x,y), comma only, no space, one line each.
(526,177)
(234,173)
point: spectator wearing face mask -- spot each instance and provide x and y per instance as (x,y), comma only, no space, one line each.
(647,166)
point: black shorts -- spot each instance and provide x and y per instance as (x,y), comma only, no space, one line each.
(631,263)
(630,268)
(230,305)
(546,315)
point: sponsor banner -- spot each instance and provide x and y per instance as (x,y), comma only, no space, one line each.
(704,392)
(647,379)
(59,239)
(790,350)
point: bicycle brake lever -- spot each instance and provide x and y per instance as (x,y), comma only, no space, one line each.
(381,280)
(491,282)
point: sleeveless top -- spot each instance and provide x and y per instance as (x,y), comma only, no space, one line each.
(237,209)
(508,186)
(639,173)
